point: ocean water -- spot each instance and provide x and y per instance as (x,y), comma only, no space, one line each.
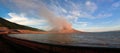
(96,39)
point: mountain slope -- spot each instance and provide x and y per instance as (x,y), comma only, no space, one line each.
(11,25)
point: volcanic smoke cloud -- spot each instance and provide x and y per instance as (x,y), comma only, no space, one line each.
(37,7)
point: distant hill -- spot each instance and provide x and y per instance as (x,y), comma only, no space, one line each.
(11,25)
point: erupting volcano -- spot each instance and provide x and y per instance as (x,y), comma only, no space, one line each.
(63,27)
(59,24)
(66,30)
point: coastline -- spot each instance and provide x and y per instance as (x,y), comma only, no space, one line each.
(46,47)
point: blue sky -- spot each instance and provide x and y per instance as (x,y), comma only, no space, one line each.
(85,15)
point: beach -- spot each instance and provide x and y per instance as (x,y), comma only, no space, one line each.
(10,44)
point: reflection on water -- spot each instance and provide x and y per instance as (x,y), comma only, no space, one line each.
(60,38)
(106,39)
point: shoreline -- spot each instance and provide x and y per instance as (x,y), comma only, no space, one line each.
(34,46)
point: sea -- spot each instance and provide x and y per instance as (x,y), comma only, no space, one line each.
(87,39)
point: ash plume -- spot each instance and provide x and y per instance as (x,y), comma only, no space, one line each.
(37,7)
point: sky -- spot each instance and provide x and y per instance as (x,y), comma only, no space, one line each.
(83,15)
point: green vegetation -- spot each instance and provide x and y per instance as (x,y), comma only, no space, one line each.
(11,25)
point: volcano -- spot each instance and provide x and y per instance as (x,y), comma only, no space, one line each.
(66,27)
(70,30)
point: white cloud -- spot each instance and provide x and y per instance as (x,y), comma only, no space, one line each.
(75,13)
(84,11)
(69,16)
(91,6)
(83,24)
(64,10)
(116,4)
(23,20)
(103,15)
